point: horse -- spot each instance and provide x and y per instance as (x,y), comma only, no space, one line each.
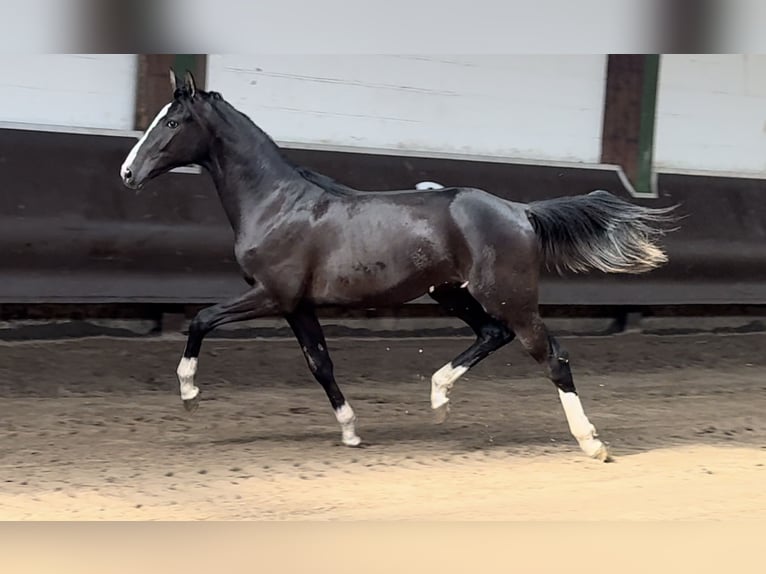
(303,241)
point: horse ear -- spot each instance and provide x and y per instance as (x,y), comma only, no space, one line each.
(173,80)
(191,85)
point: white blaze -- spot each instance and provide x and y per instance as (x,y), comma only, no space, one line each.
(134,152)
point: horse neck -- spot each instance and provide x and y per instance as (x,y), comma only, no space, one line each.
(248,170)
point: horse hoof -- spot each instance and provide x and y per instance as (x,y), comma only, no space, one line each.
(441,413)
(191,405)
(603,455)
(352,441)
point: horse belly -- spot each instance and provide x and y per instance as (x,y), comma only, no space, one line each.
(379,276)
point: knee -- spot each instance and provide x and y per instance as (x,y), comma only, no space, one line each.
(320,365)
(201,324)
(496,333)
(197,328)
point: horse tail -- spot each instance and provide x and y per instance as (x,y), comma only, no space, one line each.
(599,231)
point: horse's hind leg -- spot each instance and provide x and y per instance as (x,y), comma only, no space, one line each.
(308,331)
(491,334)
(536,339)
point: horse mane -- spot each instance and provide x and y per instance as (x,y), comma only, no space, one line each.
(327,183)
(323,181)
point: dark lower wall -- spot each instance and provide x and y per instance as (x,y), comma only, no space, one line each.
(71,233)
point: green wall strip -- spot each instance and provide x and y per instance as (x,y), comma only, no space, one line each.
(643,183)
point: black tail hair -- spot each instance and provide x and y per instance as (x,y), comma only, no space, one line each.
(599,231)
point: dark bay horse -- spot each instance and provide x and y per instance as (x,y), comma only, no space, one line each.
(303,241)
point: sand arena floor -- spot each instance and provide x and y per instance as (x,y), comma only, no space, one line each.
(94,429)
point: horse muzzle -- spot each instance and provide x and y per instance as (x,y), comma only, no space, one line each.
(129,179)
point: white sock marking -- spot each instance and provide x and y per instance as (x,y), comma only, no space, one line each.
(186,370)
(134,152)
(441,383)
(347,418)
(579,425)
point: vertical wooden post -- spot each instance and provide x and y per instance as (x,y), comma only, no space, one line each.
(153,82)
(629,116)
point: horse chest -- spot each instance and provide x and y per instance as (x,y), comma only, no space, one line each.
(269,260)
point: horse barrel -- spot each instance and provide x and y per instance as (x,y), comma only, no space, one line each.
(70,232)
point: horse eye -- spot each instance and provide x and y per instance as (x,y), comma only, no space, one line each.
(172,124)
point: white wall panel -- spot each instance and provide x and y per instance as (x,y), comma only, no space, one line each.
(529,107)
(83,91)
(711,113)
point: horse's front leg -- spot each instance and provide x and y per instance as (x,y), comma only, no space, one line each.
(251,305)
